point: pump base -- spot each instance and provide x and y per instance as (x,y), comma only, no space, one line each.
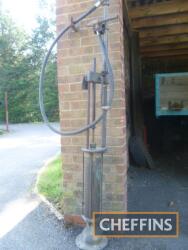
(86,240)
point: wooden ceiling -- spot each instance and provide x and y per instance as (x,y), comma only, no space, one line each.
(162,26)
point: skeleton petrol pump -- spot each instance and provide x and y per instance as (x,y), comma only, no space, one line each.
(93,153)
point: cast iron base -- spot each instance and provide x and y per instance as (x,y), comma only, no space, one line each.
(86,240)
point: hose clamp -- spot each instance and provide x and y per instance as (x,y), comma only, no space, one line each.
(99,3)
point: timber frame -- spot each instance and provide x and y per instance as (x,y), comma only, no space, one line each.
(162,26)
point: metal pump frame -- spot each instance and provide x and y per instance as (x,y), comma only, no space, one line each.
(92,154)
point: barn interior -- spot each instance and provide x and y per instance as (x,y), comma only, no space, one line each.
(158,37)
(158,44)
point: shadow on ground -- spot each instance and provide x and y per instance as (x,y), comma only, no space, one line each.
(164,188)
(42,231)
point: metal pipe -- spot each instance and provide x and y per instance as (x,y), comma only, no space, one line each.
(101,188)
(104,86)
(92,183)
(83,185)
(106,16)
(93,111)
(88,185)
(104,120)
(94,102)
(88,116)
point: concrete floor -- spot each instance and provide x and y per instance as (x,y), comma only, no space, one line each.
(163,189)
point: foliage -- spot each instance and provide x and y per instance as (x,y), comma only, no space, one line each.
(49,182)
(1,132)
(21,57)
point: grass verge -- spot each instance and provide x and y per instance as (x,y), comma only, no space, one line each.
(49,182)
(2,132)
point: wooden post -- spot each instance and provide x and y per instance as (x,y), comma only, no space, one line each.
(138,119)
(139,149)
(6,112)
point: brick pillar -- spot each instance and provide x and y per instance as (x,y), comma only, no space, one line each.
(75,54)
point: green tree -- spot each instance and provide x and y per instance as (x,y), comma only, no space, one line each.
(37,49)
(21,58)
(12,41)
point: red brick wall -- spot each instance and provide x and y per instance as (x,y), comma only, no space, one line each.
(75,54)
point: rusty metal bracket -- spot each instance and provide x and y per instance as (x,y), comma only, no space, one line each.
(100,26)
(94,77)
(106,3)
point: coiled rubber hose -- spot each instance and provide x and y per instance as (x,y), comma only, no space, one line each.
(110,76)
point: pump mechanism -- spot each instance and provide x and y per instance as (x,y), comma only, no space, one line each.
(93,153)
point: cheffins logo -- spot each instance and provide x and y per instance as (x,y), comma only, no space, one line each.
(136,224)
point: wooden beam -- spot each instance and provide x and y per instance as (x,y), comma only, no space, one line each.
(164,31)
(134,3)
(127,22)
(182,58)
(163,40)
(158,9)
(136,86)
(167,47)
(161,21)
(137,111)
(165,53)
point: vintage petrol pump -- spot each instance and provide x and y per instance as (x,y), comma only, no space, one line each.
(93,153)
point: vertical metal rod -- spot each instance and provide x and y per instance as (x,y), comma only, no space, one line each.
(6,112)
(104,86)
(83,187)
(101,186)
(104,121)
(93,102)
(88,115)
(106,14)
(94,110)
(88,177)
(93,173)
(104,103)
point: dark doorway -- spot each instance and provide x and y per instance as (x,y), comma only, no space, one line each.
(165,187)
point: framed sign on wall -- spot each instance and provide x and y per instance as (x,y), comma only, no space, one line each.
(171,94)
